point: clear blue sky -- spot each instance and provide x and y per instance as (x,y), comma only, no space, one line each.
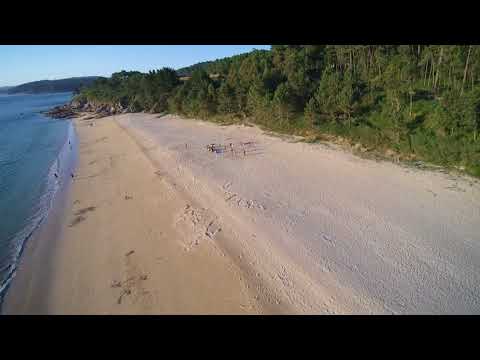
(22,63)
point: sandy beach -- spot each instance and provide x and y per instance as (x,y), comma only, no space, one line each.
(156,224)
(117,250)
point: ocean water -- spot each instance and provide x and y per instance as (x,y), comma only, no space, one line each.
(33,148)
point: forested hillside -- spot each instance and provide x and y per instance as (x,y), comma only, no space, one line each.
(52,86)
(187,71)
(420,101)
(213,67)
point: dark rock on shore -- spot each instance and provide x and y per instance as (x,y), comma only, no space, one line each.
(62,112)
(75,107)
(99,108)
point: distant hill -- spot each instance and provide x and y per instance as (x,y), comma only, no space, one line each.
(4,89)
(52,86)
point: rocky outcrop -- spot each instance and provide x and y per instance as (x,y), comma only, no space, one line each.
(62,112)
(76,106)
(88,106)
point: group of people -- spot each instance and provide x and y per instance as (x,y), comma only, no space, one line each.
(220,148)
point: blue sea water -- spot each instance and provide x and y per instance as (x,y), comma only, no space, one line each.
(31,147)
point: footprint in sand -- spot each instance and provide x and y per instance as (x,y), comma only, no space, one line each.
(212,229)
(196,224)
(85,210)
(79,215)
(227,185)
(133,285)
(326,237)
(77,221)
(235,199)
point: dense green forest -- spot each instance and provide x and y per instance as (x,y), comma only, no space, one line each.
(187,71)
(215,66)
(422,102)
(52,86)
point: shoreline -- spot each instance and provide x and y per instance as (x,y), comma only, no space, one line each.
(70,259)
(46,232)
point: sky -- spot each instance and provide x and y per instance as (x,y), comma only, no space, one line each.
(24,63)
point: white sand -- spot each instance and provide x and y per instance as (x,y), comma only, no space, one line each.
(319,230)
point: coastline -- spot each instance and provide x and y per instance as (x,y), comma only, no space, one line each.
(111,246)
(33,273)
(39,245)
